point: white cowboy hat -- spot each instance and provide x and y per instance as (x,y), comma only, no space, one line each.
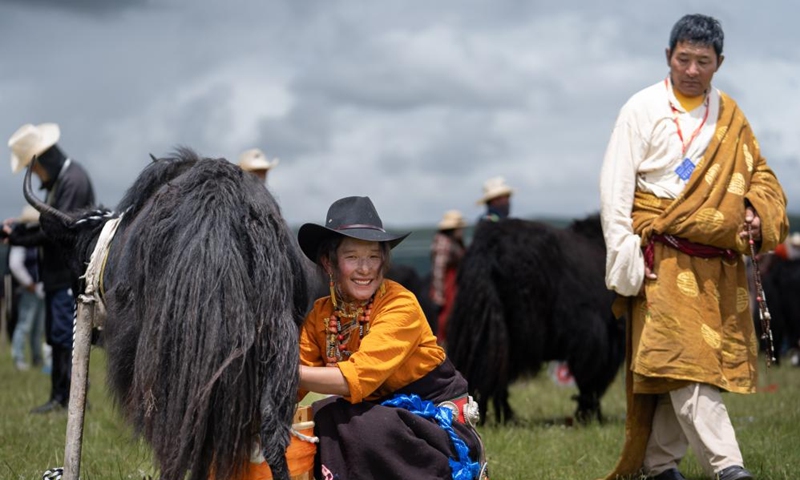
(493,188)
(31,140)
(254,159)
(29,215)
(452,219)
(794,239)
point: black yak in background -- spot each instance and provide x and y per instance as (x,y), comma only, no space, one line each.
(204,298)
(529,292)
(781,281)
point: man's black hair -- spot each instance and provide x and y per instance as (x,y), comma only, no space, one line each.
(697,29)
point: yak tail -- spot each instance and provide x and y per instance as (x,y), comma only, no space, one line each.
(476,328)
(202,344)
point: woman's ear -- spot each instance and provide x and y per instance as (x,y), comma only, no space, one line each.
(326,265)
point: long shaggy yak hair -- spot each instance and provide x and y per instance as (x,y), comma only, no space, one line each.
(203,305)
(529,292)
(781,282)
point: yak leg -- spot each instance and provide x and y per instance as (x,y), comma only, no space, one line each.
(589,392)
(588,407)
(594,364)
(502,409)
(483,404)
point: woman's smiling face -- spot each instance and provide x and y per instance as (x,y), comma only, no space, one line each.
(359,269)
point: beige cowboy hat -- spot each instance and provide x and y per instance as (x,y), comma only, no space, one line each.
(452,219)
(493,188)
(29,215)
(254,159)
(29,141)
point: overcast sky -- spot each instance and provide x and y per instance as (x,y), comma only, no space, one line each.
(414,103)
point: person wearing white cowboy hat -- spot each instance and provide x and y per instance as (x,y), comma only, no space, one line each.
(29,141)
(793,246)
(447,250)
(497,197)
(68,189)
(256,162)
(794,239)
(370,346)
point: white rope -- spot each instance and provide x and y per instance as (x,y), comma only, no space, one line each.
(93,271)
(305,438)
(53,474)
(97,216)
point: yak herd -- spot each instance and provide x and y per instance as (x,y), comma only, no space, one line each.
(203,300)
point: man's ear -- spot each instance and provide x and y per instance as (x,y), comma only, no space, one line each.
(669,54)
(719,62)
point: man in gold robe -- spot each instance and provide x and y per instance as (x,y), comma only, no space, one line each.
(684,190)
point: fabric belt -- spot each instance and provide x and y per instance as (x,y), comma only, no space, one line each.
(685,246)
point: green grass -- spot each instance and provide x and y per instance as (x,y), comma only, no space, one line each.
(539,446)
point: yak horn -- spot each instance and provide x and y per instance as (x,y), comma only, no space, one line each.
(42,207)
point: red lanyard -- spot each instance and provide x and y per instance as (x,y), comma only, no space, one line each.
(685,145)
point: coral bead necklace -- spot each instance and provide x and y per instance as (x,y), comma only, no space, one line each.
(345,319)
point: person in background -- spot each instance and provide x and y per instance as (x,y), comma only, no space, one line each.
(789,249)
(684,190)
(24,266)
(497,198)
(399,408)
(447,250)
(255,162)
(68,189)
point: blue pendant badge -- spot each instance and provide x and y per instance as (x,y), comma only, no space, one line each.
(685,169)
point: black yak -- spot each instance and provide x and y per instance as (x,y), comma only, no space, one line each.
(203,305)
(781,281)
(529,292)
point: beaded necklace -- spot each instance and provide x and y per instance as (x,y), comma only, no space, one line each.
(345,319)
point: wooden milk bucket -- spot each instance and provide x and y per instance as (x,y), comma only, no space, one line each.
(299,454)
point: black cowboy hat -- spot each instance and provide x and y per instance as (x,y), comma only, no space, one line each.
(353,217)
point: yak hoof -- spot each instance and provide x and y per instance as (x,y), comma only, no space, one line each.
(588,409)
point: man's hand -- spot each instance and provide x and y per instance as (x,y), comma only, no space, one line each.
(648,275)
(6,231)
(752,223)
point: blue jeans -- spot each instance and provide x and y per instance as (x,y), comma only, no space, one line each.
(58,325)
(30,327)
(58,322)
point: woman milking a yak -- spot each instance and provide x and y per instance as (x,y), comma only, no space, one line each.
(398,409)
(184,346)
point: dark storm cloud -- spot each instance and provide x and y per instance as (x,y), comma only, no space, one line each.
(463,145)
(380,97)
(90,7)
(304,129)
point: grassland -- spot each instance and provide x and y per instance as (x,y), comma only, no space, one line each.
(540,446)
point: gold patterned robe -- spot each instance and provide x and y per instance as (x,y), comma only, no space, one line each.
(693,323)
